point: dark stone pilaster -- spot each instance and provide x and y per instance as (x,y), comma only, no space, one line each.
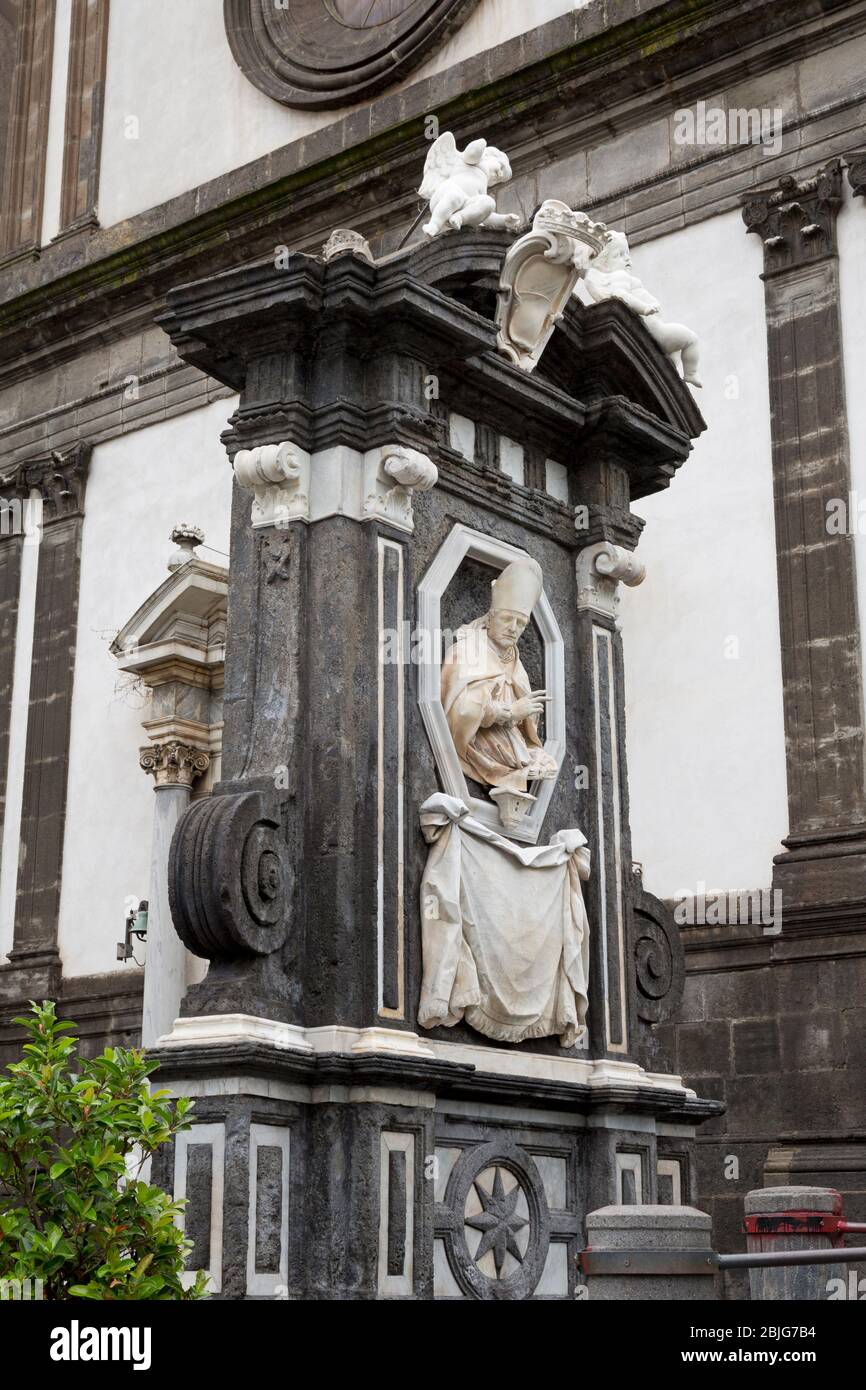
(85,93)
(10,576)
(61,482)
(825,859)
(27,144)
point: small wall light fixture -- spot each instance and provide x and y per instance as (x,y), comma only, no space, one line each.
(135,926)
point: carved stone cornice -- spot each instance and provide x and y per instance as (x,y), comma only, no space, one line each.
(856,162)
(174,764)
(60,479)
(797,220)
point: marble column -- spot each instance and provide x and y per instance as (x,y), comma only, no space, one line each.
(174,766)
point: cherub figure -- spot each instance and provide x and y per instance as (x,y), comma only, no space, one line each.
(456,186)
(608,277)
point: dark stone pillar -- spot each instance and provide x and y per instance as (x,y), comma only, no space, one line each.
(34,959)
(825,857)
(11,542)
(27,143)
(85,94)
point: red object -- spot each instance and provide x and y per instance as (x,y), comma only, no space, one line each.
(813,1223)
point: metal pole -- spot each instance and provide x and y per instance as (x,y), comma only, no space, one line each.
(763,1259)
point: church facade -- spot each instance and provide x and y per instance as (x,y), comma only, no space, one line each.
(463,913)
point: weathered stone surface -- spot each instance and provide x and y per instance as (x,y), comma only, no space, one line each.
(756,1047)
(646,1230)
(704,1048)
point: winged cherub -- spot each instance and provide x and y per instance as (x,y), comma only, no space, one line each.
(456,186)
(610,277)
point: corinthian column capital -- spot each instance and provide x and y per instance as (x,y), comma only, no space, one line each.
(174,763)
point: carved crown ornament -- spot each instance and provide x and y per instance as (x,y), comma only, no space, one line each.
(343,241)
(797,220)
(326,53)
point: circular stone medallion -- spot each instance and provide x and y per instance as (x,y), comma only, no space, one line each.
(325,53)
(498,1244)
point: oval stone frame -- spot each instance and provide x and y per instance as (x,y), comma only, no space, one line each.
(464,543)
(304,54)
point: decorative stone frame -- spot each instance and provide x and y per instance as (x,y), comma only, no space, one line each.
(306,54)
(461,544)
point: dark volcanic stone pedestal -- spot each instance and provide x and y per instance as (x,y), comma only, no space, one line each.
(339,1151)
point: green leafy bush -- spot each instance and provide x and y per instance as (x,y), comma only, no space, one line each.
(73,1136)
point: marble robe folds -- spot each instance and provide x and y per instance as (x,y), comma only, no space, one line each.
(505,933)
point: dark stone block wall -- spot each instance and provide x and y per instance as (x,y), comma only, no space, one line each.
(106,1010)
(781,1039)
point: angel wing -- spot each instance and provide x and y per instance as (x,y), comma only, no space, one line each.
(442,157)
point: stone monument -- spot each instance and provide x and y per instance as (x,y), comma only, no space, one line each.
(422,1051)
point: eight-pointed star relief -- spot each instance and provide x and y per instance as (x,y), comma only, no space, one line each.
(496,1207)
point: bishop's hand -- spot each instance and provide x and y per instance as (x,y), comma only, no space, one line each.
(529,706)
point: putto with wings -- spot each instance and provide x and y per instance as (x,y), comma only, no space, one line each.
(456,186)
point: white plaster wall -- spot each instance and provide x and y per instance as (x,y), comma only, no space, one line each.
(851,230)
(56,121)
(140,486)
(705,727)
(170,69)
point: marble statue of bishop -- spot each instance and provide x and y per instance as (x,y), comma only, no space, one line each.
(491,710)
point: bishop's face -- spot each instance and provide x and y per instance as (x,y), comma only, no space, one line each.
(505,628)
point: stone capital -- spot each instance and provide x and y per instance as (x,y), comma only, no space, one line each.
(59,478)
(174,764)
(856,162)
(796,220)
(601,568)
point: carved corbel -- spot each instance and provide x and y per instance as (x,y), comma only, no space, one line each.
(392,475)
(279,476)
(539,276)
(601,569)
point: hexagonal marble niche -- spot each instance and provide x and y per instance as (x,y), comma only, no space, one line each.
(464,543)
